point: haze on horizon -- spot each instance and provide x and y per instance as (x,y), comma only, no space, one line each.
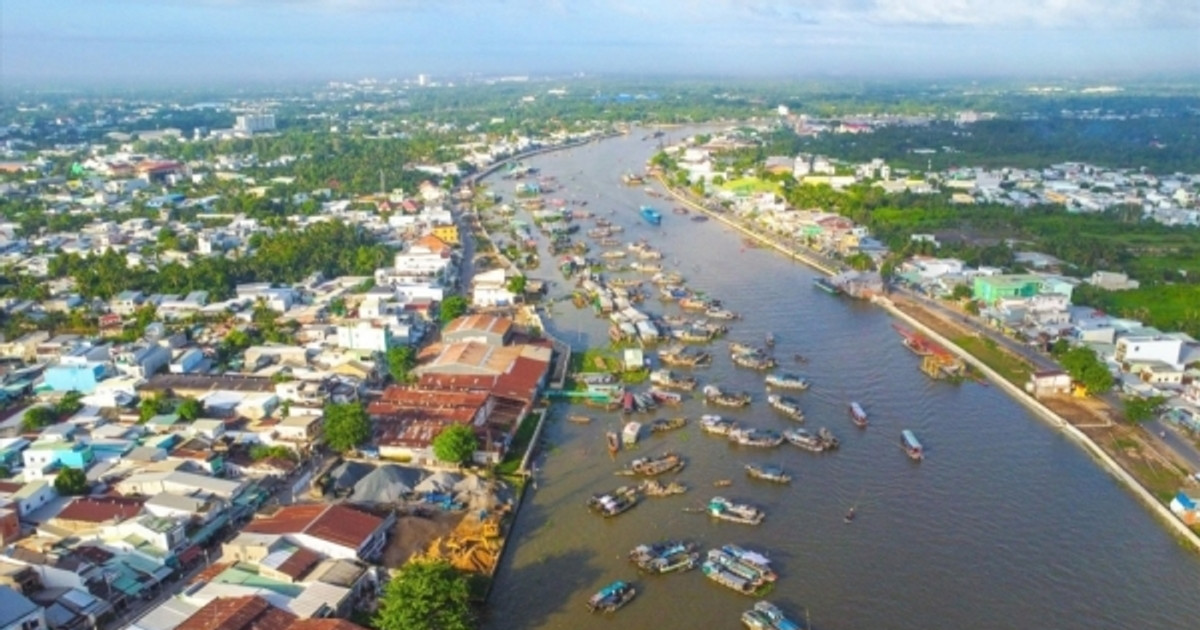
(173,42)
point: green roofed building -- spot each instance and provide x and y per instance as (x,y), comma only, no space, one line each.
(989,289)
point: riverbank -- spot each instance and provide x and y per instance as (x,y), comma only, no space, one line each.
(1124,452)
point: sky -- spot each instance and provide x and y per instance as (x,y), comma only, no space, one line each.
(60,42)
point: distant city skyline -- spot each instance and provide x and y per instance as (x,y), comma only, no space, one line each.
(197,42)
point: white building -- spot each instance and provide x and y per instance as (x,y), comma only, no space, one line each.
(255,123)
(367,337)
(1149,350)
(491,289)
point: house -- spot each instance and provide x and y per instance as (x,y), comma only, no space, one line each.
(1186,505)
(127,302)
(79,376)
(334,530)
(1142,349)
(44,458)
(367,337)
(18,613)
(489,329)
(10,524)
(28,496)
(446,233)
(407,420)
(1112,281)
(490,289)
(990,289)
(144,361)
(1049,383)
(248,612)
(90,513)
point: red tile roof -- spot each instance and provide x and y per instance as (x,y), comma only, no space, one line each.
(238,613)
(338,524)
(101,509)
(324,624)
(299,563)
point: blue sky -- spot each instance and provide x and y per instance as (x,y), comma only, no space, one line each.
(205,41)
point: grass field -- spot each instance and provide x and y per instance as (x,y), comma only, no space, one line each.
(1012,368)
(750,186)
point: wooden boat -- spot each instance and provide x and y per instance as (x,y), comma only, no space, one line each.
(652,488)
(787,406)
(653,466)
(767,616)
(612,597)
(664,397)
(760,438)
(748,564)
(911,445)
(679,210)
(753,361)
(726,510)
(723,576)
(721,313)
(716,425)
(805,439)
(770,339)
(579,419)
(667,378)
(736,348)
(667,556)
(629,435)
(663,425)
(693,303)
(858,415)
(610,504)
(614,442)
(830,440)
(682,356)
(786,380)
(722,483)
(825,285)
(768,472)
(715,395)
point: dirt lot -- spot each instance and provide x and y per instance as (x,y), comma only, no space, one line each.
(412,534)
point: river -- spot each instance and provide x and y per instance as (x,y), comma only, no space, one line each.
(1005,524)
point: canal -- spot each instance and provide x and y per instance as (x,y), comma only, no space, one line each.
(1006,524)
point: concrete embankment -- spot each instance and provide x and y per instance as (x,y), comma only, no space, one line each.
(528,154)
(1041,411)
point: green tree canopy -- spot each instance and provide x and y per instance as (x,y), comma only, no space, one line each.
(70,482)
(153,406)
(400,361)
(1139,410)
(425,595)
(455,444)
(37,417)
(346,426)
(189,409)
(1085,367)
(452,307)
(516,284)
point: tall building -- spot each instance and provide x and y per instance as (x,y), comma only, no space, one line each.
(422,80)
(255,123)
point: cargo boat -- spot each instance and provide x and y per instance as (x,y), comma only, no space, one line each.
(825,285)
(652,216)
(717,425)
(767,616)
(858,415)
(667,378)
(805,439)
(610,504)
(716,396)
(768,472)
(612,597)
(760,438)
(786,380)
(629,435)
(787,406)
(663,425)
(726,510)
(653,466)
(665,557)
(911,445)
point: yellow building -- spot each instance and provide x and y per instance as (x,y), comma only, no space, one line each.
(447,233)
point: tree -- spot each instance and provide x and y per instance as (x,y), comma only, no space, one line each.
(400,361)
(455,444)
(278,451)
(960,292)
(346,426)
(71,481)
(425,595)
(1085,367)
(38,417)
(152,406)
(1139,410)
(452,307)
(516,285)
(189,409)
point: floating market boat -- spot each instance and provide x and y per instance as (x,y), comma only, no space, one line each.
(653,466)
(723,576)
(761,438)
(805,439)
(908,440)
(825,285)
(786,380)
(767,616)
(629,435)
(748,565)
(721,313)
(662,425)
(612,597)
(610,504)
(858,415)
(726,510)
(753,360)
(667,378)
(768,472)
(667,556)
(736,348)
(614,442)
(715,395)
(787,406)
(717,425)
(827,436)
(770,339)
(652,216)
(665,397)
(579,419)
(684,356)
(693,303)
(652,488)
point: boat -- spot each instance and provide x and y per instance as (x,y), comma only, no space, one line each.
(858,415)
(664,397)
(683,356)
(614,442)
(723,576)
(630,179)
(911,445)
(736,348)
(787,406)
(579,419)
(653,466)
(717,425)
(616,253)
(825,285)
(629,435)
(652,216)
(679,210)
(767,616)
(762,438)
(716,396)
(726,510)
(612,597)
(753,361)
(722,483)
(667,556)
(786,380)
(693,303)
(849,515)
(652,488)
(610,504)
(768,472)
(721,313)
(662,425)
(805,439)
(770,340)
(752,559)
(667,378)
(830,440)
